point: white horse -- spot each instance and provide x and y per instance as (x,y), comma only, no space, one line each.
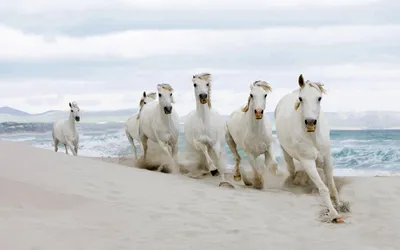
(303,134)
(132,124)
(159,122)
(248,128)
(65,131)
(204,127)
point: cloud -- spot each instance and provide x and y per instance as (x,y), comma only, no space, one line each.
(104,55)
(136,44)
(29,6)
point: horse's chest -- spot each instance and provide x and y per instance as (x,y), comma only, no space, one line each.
(165,134)
(256,143)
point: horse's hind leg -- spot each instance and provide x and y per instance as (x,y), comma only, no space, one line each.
(232,146)
(66,148)
(76,148)
(130,139)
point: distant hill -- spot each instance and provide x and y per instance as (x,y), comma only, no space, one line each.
(11,111)
(337,120)
(8,114)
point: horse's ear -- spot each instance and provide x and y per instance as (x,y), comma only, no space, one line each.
(70,105)
(144,93)
(194,76)
(251,86)
(301,81)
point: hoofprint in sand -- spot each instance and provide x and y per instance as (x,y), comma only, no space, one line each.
(57,201)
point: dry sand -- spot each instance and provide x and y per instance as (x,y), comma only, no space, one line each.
(58,202)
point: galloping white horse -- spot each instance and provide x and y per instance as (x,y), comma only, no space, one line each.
(203,128)
(65,131)
(248,128)
(159,122)
(303,134)
(132,124)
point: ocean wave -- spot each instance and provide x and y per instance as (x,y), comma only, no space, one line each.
(352,151)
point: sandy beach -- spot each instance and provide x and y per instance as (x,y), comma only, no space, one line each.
(54,201)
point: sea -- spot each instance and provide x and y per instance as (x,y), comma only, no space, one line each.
(355,152)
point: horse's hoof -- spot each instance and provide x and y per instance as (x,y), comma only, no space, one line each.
(225,184)
(258,182)
(338,220)
(237,177)
(214,172)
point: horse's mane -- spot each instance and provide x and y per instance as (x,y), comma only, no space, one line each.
(203,76)
(318,85)
(207,78)
(259,83)
(167,87)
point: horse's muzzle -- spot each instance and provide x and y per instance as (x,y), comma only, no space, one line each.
(168,110)
(203,98)
(259,113)
(311,124)
(77,118)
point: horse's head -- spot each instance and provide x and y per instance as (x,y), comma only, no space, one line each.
(146,98)
(309,102)
(165,97)
(75,111)
(257,98)
(202,88)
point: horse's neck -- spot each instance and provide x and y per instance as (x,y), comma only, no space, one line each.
(203,111)
(71,122)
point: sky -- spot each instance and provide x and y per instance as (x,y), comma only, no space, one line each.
(104,54)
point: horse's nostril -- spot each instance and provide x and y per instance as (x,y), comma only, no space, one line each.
(310,121)
(203,96)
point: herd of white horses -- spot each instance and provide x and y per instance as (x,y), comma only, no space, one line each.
(301,129)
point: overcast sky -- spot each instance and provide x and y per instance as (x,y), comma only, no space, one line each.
(104,55)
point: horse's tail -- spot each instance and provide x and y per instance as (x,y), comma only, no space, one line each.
(130,138)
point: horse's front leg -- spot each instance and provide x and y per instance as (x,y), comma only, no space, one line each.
(311,169)
(144,139)
(203,148)
(258,178)
(328,170)
(216,152)
(71,147)
(270,160)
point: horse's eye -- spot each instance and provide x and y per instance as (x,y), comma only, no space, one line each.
(170,94)
(251,95)
(144,103)
(208,84)
(319,99)
(195,85)
(265,96)
(159,95)
(72,111)
(300,99)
